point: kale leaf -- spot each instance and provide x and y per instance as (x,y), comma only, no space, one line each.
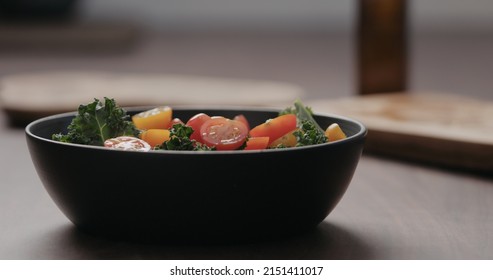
(96,122)
(179,140)
(308,134)
(309,131)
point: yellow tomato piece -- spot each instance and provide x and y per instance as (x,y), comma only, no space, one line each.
(155,136)
(334,133)
(287,140)
(159,117)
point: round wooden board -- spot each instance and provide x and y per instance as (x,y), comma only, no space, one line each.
(25,97)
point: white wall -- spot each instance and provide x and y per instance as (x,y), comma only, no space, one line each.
(452,15)
(338,15)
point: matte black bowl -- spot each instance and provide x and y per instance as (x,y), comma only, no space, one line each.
(177,196)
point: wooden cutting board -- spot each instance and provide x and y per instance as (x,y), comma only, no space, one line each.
(443,129)
(25,97)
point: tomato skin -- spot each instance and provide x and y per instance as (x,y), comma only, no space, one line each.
(158,117)
(242,119)
(257,143)
(155,136)
(275,128)
(195,123)
(223,133)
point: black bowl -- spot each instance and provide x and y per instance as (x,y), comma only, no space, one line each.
(185,196)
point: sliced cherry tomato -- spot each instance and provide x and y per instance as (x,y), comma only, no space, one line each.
(257,143)
(275,128)
(127,143)
(242,119)
(223,133)
(159,117)
(195,123)
(287,140)
(155,136)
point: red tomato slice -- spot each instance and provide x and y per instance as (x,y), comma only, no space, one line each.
(242,119)
(195,123)
(275,128)
(223,133)
(257,143)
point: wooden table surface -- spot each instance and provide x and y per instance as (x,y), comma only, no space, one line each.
(392,210)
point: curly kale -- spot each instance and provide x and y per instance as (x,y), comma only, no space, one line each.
(308,134)
(96,122)
(309,131)
(179,140)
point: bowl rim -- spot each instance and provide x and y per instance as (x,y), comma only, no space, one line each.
(362,133)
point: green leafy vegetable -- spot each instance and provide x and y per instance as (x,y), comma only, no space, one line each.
(304,113)
(179,140)
(309,132)
(96,122)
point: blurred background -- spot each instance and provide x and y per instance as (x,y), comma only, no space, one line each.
(310,43)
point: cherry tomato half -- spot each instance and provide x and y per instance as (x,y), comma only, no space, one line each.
(242,119)
(275,128)
(127,143)
(158,117)
(223,133)
(195,123)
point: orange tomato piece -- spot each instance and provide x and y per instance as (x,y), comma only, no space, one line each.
(287,140)
(257,143)
(334,133)
(155,136)
(159,117)
(275,128)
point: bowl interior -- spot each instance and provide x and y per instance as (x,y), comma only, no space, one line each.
(47,126)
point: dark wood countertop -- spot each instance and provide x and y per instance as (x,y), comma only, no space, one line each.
(392,210)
